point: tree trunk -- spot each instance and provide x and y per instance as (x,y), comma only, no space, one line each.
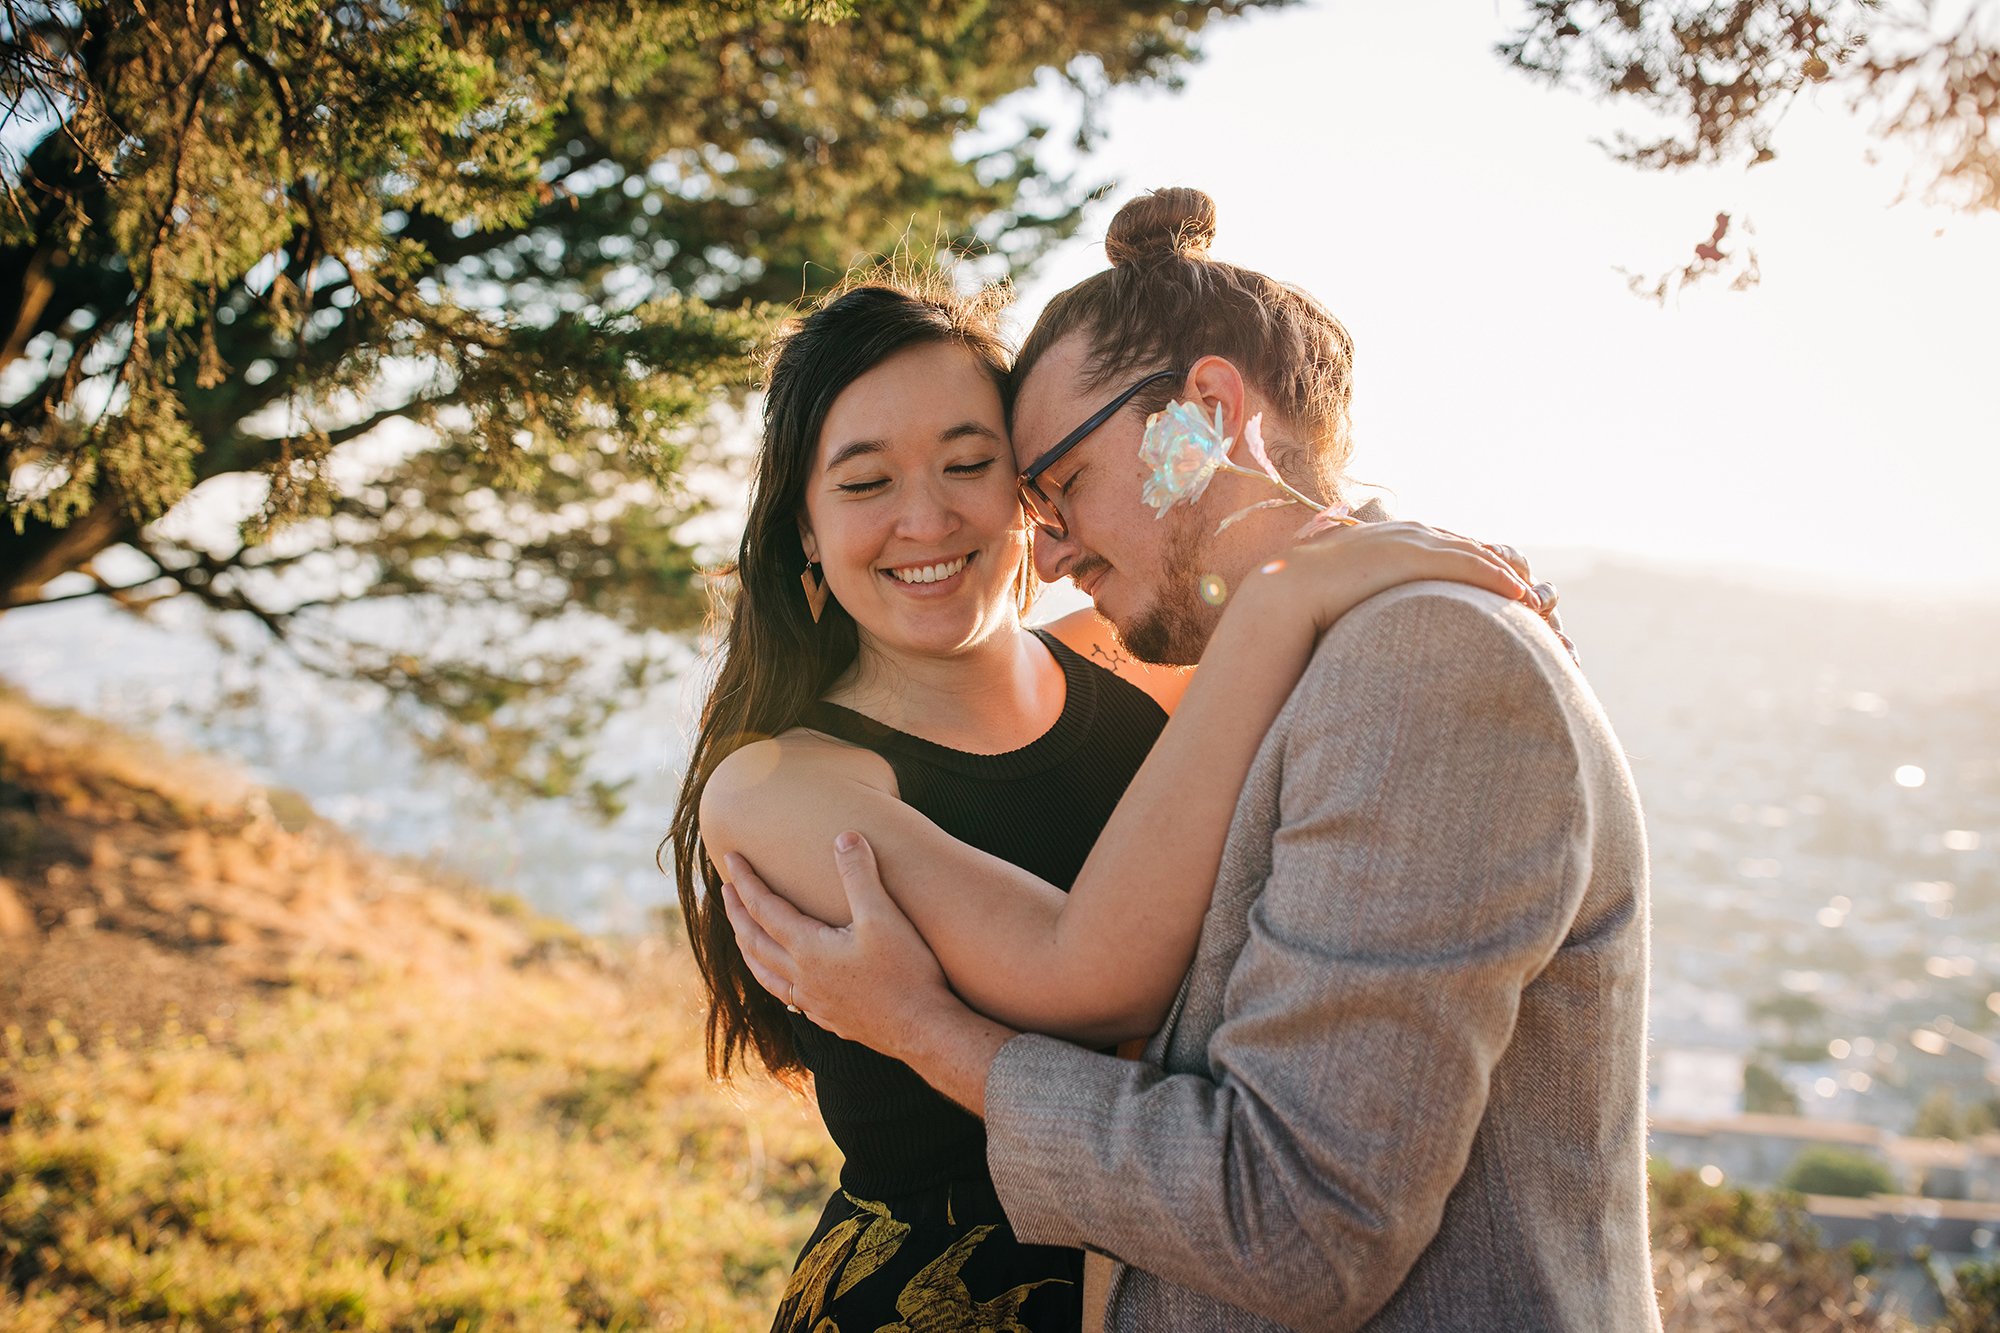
(31,557)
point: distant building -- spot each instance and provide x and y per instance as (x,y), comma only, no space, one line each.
(1895,1225)
(1694,1082)
(1758,1149)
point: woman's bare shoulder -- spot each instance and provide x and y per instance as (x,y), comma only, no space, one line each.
(769,778)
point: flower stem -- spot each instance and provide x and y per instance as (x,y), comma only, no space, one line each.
(1287,487)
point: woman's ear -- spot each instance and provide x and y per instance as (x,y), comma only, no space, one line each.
(806,539)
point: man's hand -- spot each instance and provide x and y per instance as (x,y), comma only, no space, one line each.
(871,981)
(874,981)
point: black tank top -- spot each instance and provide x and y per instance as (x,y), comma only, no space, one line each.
(1040,807)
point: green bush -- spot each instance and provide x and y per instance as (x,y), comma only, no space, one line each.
(1838,1171)
(1728,1260)
(1977,1307)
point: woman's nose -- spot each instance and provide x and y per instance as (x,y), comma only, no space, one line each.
(927,513)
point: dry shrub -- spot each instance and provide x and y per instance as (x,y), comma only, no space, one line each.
(1729,1260)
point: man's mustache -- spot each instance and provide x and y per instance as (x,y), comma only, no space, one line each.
(1086,566)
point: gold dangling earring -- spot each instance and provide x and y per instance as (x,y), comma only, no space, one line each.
(815,587)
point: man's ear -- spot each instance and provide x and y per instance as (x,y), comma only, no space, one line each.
(1216,379)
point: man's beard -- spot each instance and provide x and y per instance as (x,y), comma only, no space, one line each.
(1175,629)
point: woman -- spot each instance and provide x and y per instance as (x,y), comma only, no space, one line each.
(898,692)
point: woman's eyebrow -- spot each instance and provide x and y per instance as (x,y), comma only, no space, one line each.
(855,449)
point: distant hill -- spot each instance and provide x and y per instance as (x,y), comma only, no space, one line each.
(1656,640)
(137,883)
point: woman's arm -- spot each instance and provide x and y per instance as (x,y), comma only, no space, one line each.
(1101,963)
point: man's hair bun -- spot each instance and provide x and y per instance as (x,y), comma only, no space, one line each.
(1176,223)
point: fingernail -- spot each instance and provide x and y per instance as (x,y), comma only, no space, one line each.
(732,863)
(847,841)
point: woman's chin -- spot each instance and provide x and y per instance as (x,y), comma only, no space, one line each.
(940,626)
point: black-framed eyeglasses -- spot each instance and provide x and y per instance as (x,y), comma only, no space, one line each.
(1041,506)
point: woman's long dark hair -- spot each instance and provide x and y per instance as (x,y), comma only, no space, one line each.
(775,660)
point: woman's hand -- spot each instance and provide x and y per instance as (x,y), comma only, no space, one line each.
(1332,573)
(1338,568)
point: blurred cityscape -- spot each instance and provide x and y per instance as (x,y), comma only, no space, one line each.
(1821,777)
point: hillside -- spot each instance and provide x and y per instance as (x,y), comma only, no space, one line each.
(253,1076)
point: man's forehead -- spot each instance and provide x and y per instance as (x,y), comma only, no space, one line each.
(1049,403)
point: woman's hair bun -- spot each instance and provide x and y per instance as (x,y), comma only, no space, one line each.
(1177,223)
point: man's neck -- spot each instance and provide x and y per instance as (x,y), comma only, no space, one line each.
(1262,536)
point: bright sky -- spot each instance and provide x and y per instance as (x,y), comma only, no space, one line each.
(1838,421)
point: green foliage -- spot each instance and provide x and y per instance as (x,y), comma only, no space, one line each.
(254,233)
(1790,1011)
(1764,1093)
(1976,1307)
(1838,1171)
(1939,1117)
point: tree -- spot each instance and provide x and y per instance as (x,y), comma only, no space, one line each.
(1792,1012)
(1720,78)
(1764,1093)
(1938,1117)
(1838,1171)
(241,238)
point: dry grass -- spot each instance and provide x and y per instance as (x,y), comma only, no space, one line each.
(254,1077)
(499,1151)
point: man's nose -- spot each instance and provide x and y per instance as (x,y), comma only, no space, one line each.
(1053,554)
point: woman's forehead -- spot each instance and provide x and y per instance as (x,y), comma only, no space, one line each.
(921,398)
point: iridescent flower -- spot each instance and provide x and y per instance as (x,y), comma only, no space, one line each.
(1253,440)
(1183,449)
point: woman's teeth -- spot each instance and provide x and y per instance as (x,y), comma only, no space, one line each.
(928,573)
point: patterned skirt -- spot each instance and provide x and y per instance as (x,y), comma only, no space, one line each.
(936,1261)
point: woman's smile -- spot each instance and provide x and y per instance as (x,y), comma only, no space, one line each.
(936,578)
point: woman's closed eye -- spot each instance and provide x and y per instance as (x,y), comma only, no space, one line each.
(978,467)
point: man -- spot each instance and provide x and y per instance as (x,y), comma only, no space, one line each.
(1403,1084)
